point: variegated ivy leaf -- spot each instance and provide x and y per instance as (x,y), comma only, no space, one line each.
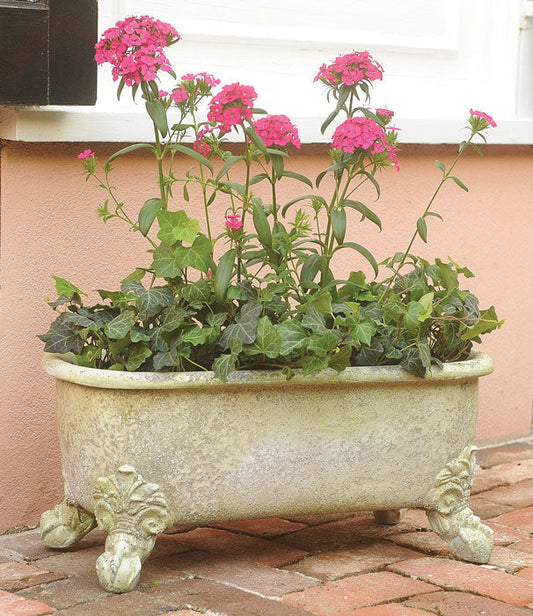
(138,354)
(245,325)
(151,301)
(120,325)
(223,366)
(164,263)
(176,226)
(267,341)
(292,335)
(63,340)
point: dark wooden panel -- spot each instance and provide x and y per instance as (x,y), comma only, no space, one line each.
(73,32)
(23,52)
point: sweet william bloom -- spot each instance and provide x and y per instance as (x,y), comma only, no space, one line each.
(201,145)
(233,222)
(277,130)
(179,95)
(365,134)
(350,69)
(231,106)
(202,81)
(86,154)
(484,116)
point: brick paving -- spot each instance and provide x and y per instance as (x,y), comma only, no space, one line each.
(346,565)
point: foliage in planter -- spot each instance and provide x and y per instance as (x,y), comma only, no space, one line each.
(271,300)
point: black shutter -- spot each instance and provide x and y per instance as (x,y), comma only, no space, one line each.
(47,52)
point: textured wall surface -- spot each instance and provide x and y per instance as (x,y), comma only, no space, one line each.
(49,226)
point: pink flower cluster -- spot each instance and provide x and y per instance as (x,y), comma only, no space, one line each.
(86,154)
(277,130)
(485,116)
(179,94)
(233,222)
(363,133)
(350,69)
(134,47)
(231,106)
(201,80)
(201,145)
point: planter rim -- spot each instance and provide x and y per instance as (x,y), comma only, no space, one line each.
(63,368)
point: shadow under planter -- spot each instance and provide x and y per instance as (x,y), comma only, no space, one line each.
(146,451)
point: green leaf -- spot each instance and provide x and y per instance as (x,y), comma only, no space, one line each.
(323,303)
(412,362)
(422,229)
(267,341)
(261,225)
(245,325)
(164,264)
(441,166)
(427,303)
(323,345)
(363,251)
(120,325)
(199,254)
(310,269)
(192,154)
(341,359)
(312,363)
(314,320)
(66,288)
(199,291)
(64,339)
(165,359)
(459,183)
(148,213)
(157,112)
(223,366)
(487,323)
(196,335)
(298,176)
(138,354)
(424,353)
(256,139)
(223,274)
(447,276)
(228,164)
(410,318)
(130,148)
(338,222)
(328,120)
(292,336)
(176,226)
(365,211)
(136,276)
(258,178)
(363,332)
(151,301)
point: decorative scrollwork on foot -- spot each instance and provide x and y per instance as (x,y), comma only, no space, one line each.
(65,524)
(451,517)
(133,512)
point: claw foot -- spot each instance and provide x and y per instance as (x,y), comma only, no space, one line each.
(451,517)
(65,524)
(133,512)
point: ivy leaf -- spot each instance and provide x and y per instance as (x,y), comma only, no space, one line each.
(66,288)
(341,359)
(196,335)
(199,291)
(199,254)
(176,226)
(138,354)
(267,341)
(489,322)
(312,363)
(292,336)
(223,366)
(314,320)
(410,318)
(165,359)
(363,332)
(412,362)
(63,340)
(120,325)
(164,263)
(424,353)
(323,345)
(245,325)
(151,301)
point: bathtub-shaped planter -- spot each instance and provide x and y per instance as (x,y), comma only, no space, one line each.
(146,451)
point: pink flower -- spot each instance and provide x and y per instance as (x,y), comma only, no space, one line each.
(277,130)
(233,222)
(86,154)
(201,145)
(134,47)
(231,106)
(484,116)
(203,82)
(350,69)
(365,134)
(179,94)
(162,93)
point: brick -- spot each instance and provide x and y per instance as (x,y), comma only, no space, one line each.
(510,473)
(526,574)
(203,595)
(242,574)
(509,559)
(522,519)
(168,544)
(182,613)
(506,535)
(315,520)
(362,558)
(342,596)
(485,508)
(340,534)
(425,541)
(16,576)
(463,604)
(72,563)
(491,456)
(132,603)
(455,575)
(488,479)
(271,527)
(67,593)
(416,518)
(249,548)
(390,609)
(155,572)
(517,495)
(525,545)
(15,605)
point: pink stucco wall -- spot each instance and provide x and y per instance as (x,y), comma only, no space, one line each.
(49,226)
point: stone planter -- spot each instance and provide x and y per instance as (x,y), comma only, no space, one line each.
(146,451)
